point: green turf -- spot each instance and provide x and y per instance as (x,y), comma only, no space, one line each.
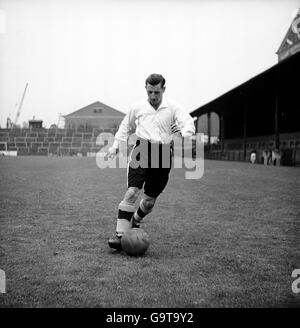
(230,239)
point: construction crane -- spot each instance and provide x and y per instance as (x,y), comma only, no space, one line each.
(20,106)
(9,123)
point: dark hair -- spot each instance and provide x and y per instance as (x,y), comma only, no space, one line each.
(155,79)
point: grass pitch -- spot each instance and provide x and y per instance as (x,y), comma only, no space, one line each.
(230,239)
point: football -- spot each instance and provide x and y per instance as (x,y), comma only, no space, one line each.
(135,241)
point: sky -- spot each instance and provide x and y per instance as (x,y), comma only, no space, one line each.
(73,53)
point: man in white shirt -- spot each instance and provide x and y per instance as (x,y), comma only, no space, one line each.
(155,121)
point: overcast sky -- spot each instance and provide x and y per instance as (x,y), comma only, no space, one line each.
(73,53)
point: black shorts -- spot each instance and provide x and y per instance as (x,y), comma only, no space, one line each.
(154,167)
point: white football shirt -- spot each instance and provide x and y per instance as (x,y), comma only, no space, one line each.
(155,125)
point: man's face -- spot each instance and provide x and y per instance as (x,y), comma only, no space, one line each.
(155,94)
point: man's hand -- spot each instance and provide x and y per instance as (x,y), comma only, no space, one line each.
(111,153)
(175,130)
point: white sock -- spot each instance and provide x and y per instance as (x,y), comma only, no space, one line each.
(122,226)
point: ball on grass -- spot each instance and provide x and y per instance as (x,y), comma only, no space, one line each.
(135,241)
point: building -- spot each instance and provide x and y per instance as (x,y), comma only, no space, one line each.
(95,115)
(35,124)
(291,42)
(261,115)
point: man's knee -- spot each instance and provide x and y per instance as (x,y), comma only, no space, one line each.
(131,195)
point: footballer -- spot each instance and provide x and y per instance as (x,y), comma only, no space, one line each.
(155,120)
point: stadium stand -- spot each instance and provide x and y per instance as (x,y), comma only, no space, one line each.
(59,142)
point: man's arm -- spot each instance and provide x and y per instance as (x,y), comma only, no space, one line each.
(185,123)
(125,127)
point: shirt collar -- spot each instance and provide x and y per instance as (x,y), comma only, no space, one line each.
(164,104)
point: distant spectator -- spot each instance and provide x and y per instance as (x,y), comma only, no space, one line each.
(267,155)
(253,157)
(276,157)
